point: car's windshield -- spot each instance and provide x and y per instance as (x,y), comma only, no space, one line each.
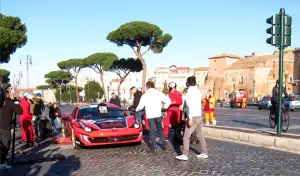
(266,99)
(92,113)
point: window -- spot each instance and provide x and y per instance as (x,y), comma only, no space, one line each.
(92,113)
(242,80)
(215,68)
(204,73)
(137,80)
(273,76)
(291,79)
(215,60)
(233,78)
(250,78)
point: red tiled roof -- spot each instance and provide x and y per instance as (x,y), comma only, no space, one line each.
(255,61)
(223,55)
(201,69)
(183,68)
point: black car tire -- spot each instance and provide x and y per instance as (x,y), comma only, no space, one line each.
(259,108)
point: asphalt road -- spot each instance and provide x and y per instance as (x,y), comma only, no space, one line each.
(253,118)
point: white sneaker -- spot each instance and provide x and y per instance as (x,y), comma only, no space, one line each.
(4,166)
(182,157)
(204,156)
(214,123)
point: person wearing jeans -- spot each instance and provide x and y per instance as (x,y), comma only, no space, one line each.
(151,101)
(194,120)
(55,114)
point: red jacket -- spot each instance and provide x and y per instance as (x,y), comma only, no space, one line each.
(25,105)
(176,99)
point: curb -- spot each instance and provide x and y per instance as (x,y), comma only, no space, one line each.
(263,138)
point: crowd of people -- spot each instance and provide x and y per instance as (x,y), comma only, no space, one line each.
(178,107)
(32,118)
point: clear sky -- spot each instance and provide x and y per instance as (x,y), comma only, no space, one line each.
(65,29)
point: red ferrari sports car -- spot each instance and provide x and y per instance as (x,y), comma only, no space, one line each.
(93,125)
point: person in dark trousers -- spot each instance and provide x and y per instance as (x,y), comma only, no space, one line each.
(115,100)
(275,98)
(54,113)
(136,100)
(6,116)
(152,101)
(38,112)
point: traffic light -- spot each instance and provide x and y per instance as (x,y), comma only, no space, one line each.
(287,30)
(275,32)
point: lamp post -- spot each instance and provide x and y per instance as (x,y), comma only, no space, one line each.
(107,93)
(28,62)
(16,81)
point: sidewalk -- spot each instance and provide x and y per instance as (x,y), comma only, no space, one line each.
(225,158)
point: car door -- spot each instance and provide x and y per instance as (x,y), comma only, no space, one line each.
(69,123)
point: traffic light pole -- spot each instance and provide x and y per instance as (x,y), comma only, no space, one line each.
(281,48)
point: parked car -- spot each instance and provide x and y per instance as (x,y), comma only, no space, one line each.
(103,124)
(265,103)
(292,102)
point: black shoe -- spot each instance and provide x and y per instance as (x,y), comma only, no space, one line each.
(165,147)
(154,151)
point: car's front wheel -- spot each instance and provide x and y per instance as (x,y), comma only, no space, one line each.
(74,141)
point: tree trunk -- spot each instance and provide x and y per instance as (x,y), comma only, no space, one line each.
(119,87)
(103,86)
(76,88)
(60,92)
(140,57)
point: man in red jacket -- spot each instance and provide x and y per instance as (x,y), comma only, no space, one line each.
(25,120)
(173,112)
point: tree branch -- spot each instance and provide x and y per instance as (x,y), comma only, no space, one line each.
(146,50)
(134,50)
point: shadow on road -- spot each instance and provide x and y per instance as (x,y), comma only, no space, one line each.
(30,161)
(251,123)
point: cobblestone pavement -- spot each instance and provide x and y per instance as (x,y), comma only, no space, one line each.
(225,158)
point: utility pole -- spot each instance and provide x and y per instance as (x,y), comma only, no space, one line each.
(28,62)
(281,37)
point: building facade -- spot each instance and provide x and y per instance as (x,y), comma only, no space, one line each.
(201,74)
(172,74)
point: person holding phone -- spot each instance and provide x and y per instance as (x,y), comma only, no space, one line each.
(193,100)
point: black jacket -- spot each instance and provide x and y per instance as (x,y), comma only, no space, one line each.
(136,100)
(2,97)
(115,101)
(6,114)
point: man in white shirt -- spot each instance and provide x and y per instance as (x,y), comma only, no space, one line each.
(193,100)
(152,100)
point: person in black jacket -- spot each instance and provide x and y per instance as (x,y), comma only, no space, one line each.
(136,100)
(115,100)
(6,115)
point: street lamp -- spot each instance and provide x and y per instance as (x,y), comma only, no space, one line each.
(28,62)
(107,93)
(16,80)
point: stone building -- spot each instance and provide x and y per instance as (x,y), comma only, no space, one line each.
(257,74)
(296,75)
(201,74)
(216,69)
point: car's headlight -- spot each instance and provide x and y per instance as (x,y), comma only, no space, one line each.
(136,125)
(87,129)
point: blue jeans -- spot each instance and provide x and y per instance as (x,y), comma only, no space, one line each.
(56,129)
(139,116)
(155,124)
(36,125)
